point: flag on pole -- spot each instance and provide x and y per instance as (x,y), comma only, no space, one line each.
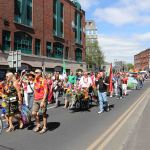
(64,67)
(110,79)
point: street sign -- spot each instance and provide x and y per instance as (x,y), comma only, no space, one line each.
(14,59)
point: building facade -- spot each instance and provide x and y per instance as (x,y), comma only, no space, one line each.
(48,33)
(142,60)
(91,31)
(91,40)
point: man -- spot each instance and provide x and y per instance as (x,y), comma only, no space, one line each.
(102,92)
(119,86)
(72,78)
(39,104)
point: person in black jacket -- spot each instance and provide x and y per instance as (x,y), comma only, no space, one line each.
(102,84)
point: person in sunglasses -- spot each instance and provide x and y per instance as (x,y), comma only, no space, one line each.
(40,101)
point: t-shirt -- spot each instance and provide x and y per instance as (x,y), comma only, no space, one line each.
(102,86)
(124,80)
(72,79)
(85,82)
(39,89)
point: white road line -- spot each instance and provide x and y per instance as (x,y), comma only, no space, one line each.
(51,107)
(115,127)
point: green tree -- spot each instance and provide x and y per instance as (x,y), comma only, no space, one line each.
(94,54)
(130,66)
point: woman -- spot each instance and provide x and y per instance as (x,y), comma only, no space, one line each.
(14,99)
(30,89)
(67,94)
(50,88)
(57,86)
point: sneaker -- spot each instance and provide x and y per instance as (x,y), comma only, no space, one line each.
(100,112)
(121,97)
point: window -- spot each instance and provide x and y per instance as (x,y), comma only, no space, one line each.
(29,12)
(78,28)
(62,20)
(5,40)
(58,18)
(58,50)
(23,12)
(78,55)
(23,42)
(66,52)
(37,47)
(49,49)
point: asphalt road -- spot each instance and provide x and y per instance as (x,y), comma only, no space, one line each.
(69,131)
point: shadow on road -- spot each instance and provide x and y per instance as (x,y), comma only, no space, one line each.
(52,125)
(5,148)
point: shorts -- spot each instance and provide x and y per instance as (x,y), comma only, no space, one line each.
(36,106)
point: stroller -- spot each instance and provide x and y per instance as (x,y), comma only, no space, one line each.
(80,100)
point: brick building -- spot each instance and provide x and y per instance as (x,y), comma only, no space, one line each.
(48,32)
(142,60)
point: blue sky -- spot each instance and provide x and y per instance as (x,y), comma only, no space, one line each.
(123,26)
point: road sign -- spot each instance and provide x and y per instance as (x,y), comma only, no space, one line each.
(14,59)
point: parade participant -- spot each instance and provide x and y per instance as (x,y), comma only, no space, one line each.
(102,92)
(85,81)
(119,86)
(124,84)
(67,93)
(13,97)
(39,103)
(30,89)
(57,86)
(50,88)
(115,84)
(24,83)
(72,78)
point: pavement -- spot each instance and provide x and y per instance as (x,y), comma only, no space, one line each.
(73,131)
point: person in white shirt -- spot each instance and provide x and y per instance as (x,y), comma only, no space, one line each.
(30,89)
(85,81)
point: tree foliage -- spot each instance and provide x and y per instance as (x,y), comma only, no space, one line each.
(94,54)
(130,66)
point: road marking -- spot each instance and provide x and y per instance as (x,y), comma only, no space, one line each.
(51,107)
(103,140)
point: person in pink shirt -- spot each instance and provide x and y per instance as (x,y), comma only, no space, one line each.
(50,88)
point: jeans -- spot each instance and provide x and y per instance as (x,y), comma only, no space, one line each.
(119,91)
(26,99)
(56,95)
(30,100)
(124,89)
(102,97)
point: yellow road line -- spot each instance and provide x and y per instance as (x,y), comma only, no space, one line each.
(112,130)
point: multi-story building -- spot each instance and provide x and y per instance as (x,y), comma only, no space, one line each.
(91,31)
(91,40)
(142,60)
(47,32)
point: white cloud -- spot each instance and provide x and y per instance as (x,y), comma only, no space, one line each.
(125,12)
(124,49)
(145,37)
(86,4)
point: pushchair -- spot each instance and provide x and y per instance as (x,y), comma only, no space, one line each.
(80,101)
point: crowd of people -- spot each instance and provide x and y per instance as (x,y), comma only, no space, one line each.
(36,90)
